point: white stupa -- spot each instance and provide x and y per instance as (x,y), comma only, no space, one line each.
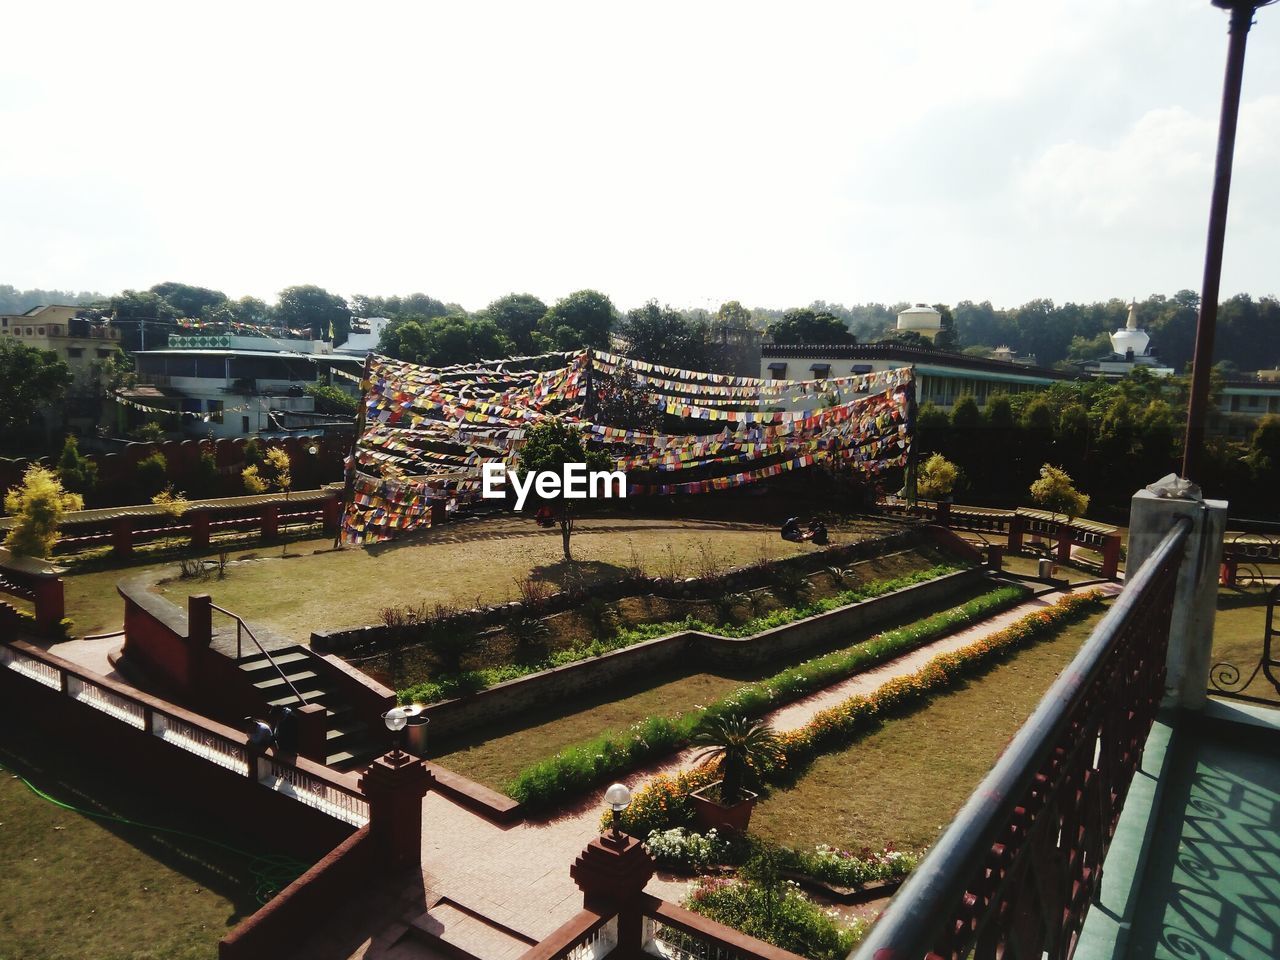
(1130,337)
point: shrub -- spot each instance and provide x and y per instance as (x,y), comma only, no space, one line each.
(37,507)
(150,474)
(790,586)
(528,632)
(781,916)
(724,605)
(842,868)
(534,594)
(684,850)
(599,616)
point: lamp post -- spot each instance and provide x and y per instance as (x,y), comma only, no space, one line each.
(618,797)
(1242,12)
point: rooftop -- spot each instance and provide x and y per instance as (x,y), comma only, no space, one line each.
(888,350)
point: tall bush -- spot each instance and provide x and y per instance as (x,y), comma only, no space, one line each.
(37,507)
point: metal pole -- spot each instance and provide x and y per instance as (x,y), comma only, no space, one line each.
(349,486)
(1202,360)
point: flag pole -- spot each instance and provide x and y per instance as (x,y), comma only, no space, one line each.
(349,484)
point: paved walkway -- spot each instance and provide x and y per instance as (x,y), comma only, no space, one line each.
(518,876)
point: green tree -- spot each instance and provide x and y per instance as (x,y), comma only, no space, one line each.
(517,316)
(999,412)
(734,314)
(76,473)
(663,335)
(143,317)
(805,326)
(1055,491)
(582,319)
(189,301)
(151,475)
(625,404)
(1263,457)
(945,339)
(549,446)
(30,380)
(309,306)
(937,478)
(442,341)
(965,414)
(333,400)
(37,507)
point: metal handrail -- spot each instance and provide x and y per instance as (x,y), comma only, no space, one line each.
(241,625)
(926,903)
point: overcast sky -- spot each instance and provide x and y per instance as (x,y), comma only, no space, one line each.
(691,152)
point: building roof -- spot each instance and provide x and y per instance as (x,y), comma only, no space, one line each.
(233,352)
(908,355)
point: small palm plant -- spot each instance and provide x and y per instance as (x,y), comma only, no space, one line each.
(726,604)
(740,744)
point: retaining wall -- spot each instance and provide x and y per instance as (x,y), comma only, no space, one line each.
(575,679)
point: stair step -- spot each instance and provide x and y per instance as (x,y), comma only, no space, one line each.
(350,755)
(338,730)
(258,662)
(461,929)
(284,697)
(299,680)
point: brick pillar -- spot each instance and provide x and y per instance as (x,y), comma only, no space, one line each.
(1111,556)
(331,511)
(271,520)
(312,729)
(1227,571)
(1064,542)
(122,536)
(943,515)
(995,557)
(612,873)
(395,784)
(199,529)
(49,602)
(1017,526)
(200,620)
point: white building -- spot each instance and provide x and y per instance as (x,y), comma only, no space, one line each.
(1131,347)
(363,343)
(921,319)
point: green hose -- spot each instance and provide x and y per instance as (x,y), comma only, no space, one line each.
(271,873)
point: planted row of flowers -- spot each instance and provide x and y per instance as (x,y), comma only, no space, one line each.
(614,753)
(663,802)
(449,686)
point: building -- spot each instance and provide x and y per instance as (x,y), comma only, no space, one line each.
(364,342)
(234,386)
(1131,347)
(1242,403)
(941,377)
(921,319)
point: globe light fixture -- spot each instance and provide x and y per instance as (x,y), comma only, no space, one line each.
(395,720)
(618,797)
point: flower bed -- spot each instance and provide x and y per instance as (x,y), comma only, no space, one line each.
(782,916)
(663,802)
(456,685)
(614,753)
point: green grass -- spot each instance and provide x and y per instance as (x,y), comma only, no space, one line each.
(904,781)
(458,564)
(75,886)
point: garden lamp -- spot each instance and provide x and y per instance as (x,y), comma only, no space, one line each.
(618,797)
(395,719)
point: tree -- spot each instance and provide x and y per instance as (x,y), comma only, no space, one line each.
(1055,491)
(253,483)
(999,412)
(937,478)
(150,475)
(912,338)
(805,326)
(30,380)
(517,316)
(189,301)
(662,335)
(1263,457)
(37,507)
(333,400)
(965,414)
(143,317)
(741,746)
(734,314)
(309,306)
(275,470)
(76,473)
(442,341)
(945,339)
(172,503)
(549,446)
(582,319)
(625,404)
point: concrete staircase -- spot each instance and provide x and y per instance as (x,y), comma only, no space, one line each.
(349,742)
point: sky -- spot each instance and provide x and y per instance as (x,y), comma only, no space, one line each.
(691,153)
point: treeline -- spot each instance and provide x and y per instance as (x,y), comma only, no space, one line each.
(1112,438)
(437,332)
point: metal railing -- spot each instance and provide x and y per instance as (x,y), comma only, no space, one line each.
(1014,873)
(243,628)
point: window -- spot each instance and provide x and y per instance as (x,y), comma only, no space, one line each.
(28,331)
(861,368)
(777,371)
(244,424)
(820,371)
(1235,403)
(103,354)
(75,352)
(41,331)
(1253,401)
(214,408)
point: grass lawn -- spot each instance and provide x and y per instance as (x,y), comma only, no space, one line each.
(903,782)
(494,754)
(78,887)
(479,560)
(1237,636)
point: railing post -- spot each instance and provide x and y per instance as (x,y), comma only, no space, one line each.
(49,602)
(200,620)
(611,873)
(395,784)
(122,536)
(1065,533)
(1017,525)
(312,732)
(199,529)
(331,511)
(1195,596)
(942,514)
(1111,556)
(270,520)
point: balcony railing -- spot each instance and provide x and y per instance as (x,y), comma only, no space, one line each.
(1014,873)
